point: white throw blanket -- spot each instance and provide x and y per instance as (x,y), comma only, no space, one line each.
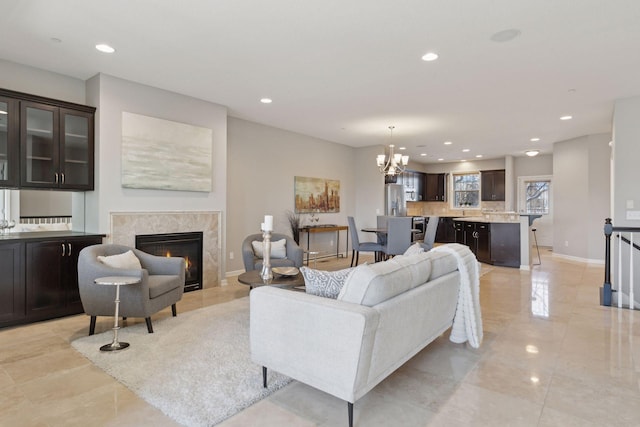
(467,324)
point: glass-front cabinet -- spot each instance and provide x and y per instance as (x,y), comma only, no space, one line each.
(45,143)
(76,149)
(8,142)
(39,131)
(57,146)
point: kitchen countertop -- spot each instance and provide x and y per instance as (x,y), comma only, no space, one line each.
(488,220)
(44,235)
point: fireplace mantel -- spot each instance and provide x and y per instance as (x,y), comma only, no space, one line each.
(125,226)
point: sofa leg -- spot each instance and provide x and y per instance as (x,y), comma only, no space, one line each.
(350,410)
(264,376)
(174,311)
(149,327)
(92,325)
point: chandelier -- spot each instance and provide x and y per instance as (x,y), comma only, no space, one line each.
(394,163)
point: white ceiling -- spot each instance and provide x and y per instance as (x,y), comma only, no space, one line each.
(345,70)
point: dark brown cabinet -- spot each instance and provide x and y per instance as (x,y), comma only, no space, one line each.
(446,232)
(52,277)
(39,277)
(477,236)
(9,145)
(505,244)
(492,243)
(435,187)
(52,143)
(493,185)
(11,282)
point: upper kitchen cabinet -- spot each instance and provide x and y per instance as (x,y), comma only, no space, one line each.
(57,147)
(9,143)
(55,140)
(492,183)
(436,187)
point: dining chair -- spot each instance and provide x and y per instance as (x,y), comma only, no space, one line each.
(398,235)
(360,247)
(430,233)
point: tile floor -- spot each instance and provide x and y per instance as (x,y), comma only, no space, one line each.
(551,357)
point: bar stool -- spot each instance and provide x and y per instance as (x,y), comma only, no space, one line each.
(537,250)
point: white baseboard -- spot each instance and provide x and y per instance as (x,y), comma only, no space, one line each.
(579,259)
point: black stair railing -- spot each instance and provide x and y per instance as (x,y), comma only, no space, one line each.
(609,229)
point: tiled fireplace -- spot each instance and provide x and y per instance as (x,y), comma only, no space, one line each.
(126,225)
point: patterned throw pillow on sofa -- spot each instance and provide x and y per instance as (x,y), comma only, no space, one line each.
(325,283)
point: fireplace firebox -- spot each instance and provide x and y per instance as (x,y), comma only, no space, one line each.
(185,245)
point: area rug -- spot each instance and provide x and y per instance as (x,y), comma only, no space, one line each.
(195,368)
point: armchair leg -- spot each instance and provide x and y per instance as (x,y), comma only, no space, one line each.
(174,310)
(92,325)
(350,410)
(149,327)
(353,256)
(264,376)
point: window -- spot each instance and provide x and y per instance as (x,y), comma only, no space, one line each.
(466,190)
(537,197)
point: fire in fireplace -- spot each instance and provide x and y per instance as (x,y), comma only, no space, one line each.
(185,245)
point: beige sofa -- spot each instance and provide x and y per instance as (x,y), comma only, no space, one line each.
(385,314)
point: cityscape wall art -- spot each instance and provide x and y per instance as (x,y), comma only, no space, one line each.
(316,195)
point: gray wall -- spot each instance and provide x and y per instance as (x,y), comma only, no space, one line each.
(626,152)
(581,195)
(262,164)
(35,81)
(113,96)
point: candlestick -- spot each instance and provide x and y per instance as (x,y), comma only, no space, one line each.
(268,223)
(266,274)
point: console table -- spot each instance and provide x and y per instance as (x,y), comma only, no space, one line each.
(326,228)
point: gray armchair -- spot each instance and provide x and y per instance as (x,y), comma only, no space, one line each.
(161,284)
(295,254)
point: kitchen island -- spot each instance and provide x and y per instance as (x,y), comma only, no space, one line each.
(493,240)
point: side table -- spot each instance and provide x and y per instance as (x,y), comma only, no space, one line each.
(116,281)
(253,279)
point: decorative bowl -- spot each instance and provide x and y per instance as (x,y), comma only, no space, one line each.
(285,271)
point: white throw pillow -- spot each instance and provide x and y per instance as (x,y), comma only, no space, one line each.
(127,261)
(325,283)
(278,249)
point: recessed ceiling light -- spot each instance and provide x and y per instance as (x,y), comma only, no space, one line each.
(478,156)
(532,153)
(534,139)
(430,56)
(465,150)
(566,117)
(402,148)
(105,48)
(440,160)
(266,100)
(463,160)
(448,143)
(423,154)
(505,35)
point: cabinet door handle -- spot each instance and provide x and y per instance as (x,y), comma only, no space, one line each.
(62,174)
(64,250)
(56,177)
(69,246)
